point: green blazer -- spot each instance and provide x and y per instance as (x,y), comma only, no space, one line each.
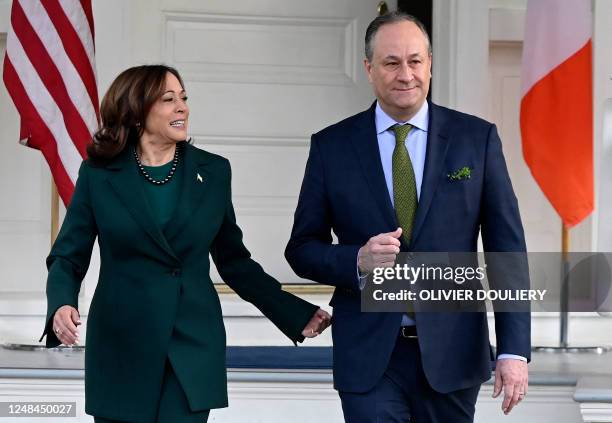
(155,299)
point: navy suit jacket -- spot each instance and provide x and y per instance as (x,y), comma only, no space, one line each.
(344,191)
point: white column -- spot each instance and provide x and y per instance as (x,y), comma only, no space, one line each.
(461,55)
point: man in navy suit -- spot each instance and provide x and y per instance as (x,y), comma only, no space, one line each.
(380,181)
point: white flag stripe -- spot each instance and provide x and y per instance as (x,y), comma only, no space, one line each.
(547,23)
(76,15)
(77,92)
(45,105)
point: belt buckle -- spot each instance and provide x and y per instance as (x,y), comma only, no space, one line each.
(407,335)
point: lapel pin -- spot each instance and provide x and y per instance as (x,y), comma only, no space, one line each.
(199,177)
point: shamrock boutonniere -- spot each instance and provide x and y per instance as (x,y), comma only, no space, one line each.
(463,173)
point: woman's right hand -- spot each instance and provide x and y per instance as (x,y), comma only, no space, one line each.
(65,322)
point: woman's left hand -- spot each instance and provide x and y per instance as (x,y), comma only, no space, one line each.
(317,324)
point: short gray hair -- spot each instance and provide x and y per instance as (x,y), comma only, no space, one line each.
(389,18)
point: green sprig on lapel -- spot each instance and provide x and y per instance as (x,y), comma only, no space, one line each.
(463,173)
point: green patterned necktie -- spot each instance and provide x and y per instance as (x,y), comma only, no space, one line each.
(404,190)
(404,184)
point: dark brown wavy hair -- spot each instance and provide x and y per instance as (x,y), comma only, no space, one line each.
(125,107)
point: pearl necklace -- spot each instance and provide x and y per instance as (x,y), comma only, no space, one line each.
(149,177)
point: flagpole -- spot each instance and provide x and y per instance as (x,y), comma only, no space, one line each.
(563,330)
(564,346)
(54,212)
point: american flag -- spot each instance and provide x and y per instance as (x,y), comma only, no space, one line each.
(49,72)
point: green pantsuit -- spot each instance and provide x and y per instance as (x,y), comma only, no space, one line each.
(155,300)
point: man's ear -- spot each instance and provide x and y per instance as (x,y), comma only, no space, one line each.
(368,68)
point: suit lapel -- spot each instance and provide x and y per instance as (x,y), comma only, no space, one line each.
(127,184)
(197,180)
(437,146)
(366,146)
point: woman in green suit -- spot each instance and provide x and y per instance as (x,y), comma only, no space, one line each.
(158,206)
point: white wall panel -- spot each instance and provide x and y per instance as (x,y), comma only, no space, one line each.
(262,49)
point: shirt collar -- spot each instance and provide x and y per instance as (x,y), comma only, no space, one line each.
(384,121)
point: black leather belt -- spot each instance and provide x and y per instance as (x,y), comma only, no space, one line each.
(408,332)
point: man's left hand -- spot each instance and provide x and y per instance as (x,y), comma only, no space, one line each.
(512,375)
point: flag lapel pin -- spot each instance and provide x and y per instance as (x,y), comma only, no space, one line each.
(199,178)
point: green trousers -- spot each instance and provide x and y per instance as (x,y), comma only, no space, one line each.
(173,406)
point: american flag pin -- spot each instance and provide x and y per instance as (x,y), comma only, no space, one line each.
(199,177)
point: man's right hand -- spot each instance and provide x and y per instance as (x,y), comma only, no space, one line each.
(379,251)
(65,322)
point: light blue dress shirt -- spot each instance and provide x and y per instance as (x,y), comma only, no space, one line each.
(416,144)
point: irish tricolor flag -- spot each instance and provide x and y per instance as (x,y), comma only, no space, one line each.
(557,104)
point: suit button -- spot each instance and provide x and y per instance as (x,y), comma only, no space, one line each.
(176,272)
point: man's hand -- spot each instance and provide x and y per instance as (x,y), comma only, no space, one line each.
(379,251)
(513,376)
(317,324)
(65,322)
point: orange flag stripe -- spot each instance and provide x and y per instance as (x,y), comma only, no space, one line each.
(557,136)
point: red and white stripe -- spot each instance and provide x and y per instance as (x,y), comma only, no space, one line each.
(557,104)
(49,71)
